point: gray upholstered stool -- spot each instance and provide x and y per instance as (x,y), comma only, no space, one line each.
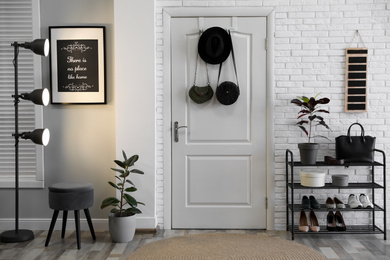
(70,196)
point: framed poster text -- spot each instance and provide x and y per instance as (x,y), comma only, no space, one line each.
(77,65)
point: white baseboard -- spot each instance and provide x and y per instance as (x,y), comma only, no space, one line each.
(44,224)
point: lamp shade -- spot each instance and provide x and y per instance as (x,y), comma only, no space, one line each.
(38,46)
(38,96)
(38,136)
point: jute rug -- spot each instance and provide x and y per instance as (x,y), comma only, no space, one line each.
(215,246)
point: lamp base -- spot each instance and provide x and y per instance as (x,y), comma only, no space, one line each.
(13,236)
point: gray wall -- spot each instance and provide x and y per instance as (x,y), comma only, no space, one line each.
(82,145)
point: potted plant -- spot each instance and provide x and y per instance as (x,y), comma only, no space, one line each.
(308,116)
(122,220)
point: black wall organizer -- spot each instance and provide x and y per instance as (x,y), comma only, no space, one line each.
(356,79)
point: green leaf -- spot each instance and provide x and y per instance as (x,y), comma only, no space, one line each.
(137,171)
(111,201)
(141,203)
(131,189)
(133,211)
(120,164)
(124,155)
(130,182)
(130,200)
(132,160)
(114,210)
(117,170)
(113,185)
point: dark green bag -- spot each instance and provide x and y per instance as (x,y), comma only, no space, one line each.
(201,94)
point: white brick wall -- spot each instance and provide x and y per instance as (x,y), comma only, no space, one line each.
(310,41)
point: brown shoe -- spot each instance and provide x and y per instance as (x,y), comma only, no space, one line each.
(339,203)
(333,161)
(302,219)
(314,226)
(330,203)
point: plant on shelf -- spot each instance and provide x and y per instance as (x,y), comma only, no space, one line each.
(310,110)
(126,206)
(308,116)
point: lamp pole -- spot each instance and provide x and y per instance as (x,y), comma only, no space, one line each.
(17,235)
(16,134)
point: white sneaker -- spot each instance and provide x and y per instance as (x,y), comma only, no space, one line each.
(365,201)
(353,202)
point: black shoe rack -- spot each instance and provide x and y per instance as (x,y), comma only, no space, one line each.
(292,224)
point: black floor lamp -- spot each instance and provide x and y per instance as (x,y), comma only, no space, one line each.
(38,136)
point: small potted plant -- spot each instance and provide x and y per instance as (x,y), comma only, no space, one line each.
(308,116)
(122,220)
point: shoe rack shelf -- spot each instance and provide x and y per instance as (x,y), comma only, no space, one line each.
(291,207)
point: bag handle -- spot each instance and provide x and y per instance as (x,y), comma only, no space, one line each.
(362,132)
(234,63)
(196,67)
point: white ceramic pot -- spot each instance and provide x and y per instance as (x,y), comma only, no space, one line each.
(122,229)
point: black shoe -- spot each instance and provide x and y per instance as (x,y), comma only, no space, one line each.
(340,225)
(331,221)
(314,203)
(305,202)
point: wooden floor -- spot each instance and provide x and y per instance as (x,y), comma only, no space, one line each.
(362,247)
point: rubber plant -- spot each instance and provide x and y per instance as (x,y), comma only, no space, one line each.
(308,115)
(126,205)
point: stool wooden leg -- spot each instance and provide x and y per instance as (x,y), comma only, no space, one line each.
(88,216)
(64,219)
(77,220)
(52,224)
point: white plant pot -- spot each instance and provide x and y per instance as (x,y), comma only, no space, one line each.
(122,229)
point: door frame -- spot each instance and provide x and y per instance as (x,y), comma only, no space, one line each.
(168,14)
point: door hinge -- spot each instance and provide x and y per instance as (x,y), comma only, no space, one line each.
(266,43)
(266,203)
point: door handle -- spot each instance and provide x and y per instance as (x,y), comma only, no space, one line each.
(176,127)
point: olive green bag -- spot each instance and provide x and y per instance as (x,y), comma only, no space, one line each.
(201,94)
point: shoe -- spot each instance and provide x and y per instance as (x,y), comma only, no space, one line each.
(314,203)
(340,225)
(339,203)
(365,201)
(331,221)
(314,226)
(302,220)
(330,203)
(353,202)
(305,202)
(332,161)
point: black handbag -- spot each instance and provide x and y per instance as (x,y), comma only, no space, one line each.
(227,92)
(355,148)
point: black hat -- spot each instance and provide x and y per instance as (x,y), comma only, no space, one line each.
(214,45)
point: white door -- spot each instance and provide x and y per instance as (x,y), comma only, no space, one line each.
(219,160)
